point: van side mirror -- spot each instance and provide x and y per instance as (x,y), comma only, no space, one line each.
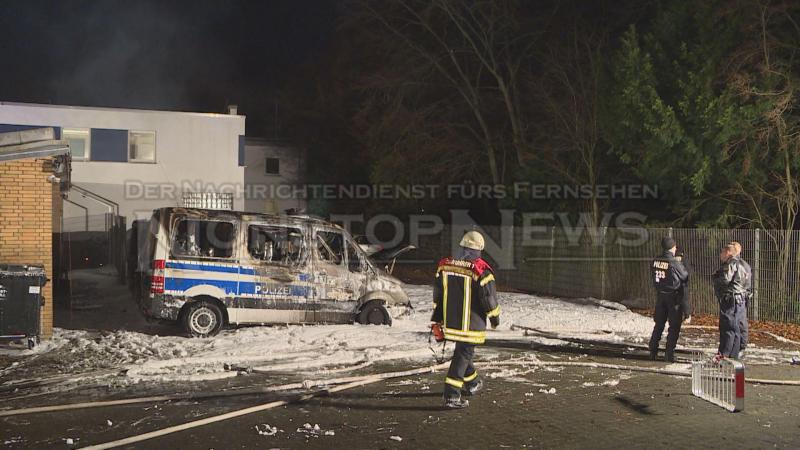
(390,267)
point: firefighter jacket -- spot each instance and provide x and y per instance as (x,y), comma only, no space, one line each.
(464,295)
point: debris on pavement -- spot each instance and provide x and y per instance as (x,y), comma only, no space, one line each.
(267,431)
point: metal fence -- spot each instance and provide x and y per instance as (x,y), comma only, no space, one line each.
(720,382)
(614,263)
(92,241)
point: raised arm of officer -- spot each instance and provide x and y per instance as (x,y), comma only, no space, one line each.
(724,276)
(680,270)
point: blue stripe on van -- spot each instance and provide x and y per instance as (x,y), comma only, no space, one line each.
(231,287)
(210,268)
(182,284)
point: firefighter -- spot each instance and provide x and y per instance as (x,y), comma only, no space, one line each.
(464,295)
(670,279)
(731,281)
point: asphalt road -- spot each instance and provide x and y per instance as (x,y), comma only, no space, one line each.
(590,408)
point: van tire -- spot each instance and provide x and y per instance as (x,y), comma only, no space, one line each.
(202,319)
(374,313)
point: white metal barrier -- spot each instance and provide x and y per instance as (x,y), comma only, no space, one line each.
(721,383)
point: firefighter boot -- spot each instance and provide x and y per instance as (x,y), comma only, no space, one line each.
(472,387)
(455,403)
(452,398)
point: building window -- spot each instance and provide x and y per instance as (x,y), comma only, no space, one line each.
(273,166)
(142,146)
(80,142)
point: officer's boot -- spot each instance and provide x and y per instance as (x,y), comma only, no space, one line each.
(452,398)
(472,387)
(669,356)
(653,355)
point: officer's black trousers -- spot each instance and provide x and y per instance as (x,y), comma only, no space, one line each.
(729,331)
(668,309)
(460,367)
(744,325)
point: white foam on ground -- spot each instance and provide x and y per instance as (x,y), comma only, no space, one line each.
(312,348)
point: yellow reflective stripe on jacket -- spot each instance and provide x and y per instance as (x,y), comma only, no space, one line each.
(494,313)
(487,279)
(467,304)
(466,340)
(455,269)
(453,382)
(444,300)
(469,333)
(470,337)
(469,378)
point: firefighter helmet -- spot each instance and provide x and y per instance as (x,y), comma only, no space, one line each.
(473,240)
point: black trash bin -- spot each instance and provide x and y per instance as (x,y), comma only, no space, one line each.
(21,302)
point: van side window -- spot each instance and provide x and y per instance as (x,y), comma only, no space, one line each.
(203,238)
(330,247)
(279,245)
(354,262)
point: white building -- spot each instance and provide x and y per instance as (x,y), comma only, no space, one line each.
(274,173)
(141,160)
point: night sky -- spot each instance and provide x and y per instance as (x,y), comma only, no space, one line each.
(187,55)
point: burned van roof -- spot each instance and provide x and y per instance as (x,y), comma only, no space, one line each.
(249,216)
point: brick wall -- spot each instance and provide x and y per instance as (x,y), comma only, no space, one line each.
(27,201)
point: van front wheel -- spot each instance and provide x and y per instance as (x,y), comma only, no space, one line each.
(374,313)
(202,319)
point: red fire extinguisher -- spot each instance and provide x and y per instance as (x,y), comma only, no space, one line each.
(438,334)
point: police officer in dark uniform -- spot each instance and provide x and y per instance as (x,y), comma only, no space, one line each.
(730,287)
(464,295)
(670,279)
(741,313)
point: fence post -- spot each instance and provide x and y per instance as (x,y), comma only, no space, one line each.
(109,227)
(550,269)
(755,275)
(669,232)
(603,266)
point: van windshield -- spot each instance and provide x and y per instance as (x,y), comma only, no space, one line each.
(275,244)
(203,238)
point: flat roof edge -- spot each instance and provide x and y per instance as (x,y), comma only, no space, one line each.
(129,110)
(26,151)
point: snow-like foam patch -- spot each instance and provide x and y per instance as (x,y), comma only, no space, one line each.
(313,349)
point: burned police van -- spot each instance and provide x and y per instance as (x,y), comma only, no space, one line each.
(207,268)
